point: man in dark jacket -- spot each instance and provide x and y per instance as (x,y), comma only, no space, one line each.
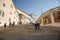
(38,26)
(4,25)
(35,26)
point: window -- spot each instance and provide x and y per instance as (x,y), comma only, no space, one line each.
(10,13)
(59,15)
(47,19)
(4,4)
(1,13)
(56,16)
(11,6)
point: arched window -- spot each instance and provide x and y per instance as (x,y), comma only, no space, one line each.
(1,13)
(4,4)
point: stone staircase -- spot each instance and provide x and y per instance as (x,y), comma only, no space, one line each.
(26,30)
(19,30)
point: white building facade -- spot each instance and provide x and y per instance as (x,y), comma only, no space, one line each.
(33,17)
(8,12)
(24,17)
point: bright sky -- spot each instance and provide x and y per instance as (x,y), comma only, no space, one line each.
(36,6)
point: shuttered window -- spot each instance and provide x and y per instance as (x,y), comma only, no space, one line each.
(56,16)
(47,19)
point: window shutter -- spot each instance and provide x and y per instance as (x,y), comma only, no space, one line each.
(55,17)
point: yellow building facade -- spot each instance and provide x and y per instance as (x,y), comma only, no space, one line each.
(50,18)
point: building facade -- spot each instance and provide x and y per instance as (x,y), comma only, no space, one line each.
(24,18)
(8,13)
(33,17)
(50,18)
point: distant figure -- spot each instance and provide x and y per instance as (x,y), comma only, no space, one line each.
(10,24)
(20,22)
(37,26)
(13,23)
(4,25)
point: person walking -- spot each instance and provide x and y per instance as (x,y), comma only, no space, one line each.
(4,25)
(38,26)
(35,26)
(10,24)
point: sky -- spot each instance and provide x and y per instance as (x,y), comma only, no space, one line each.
(36,7)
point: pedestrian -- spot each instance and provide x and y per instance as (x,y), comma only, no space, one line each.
(4,25)
(13,24)
(10,24)
(38,26)
(35,26)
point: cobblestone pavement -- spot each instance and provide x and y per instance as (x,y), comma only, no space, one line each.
(27,32)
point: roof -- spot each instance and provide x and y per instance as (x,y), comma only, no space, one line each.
(22,10)
(49,10)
